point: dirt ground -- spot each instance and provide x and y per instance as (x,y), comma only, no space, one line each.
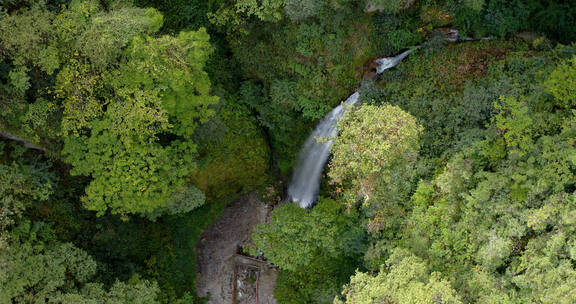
(217,250)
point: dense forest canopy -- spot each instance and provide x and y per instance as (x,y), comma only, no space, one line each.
(127,127)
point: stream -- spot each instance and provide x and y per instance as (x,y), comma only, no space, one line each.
(307,176)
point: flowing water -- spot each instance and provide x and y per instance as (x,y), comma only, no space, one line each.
(312,158)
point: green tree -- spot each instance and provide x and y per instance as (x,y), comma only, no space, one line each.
(35,267)
(393,6)
(108,33)
(28,59)
(545,269)
(373,158)
(318,282)
(33,272)
(301,9)
(172,67)
(404,279)
(562,83)
(36,45)
(515,123)
(315,249)
(135,291)
(234,16)
(374,140)
(295,236)
(22,186)
(267,10)
(129,102)
(233,153)
(120,106)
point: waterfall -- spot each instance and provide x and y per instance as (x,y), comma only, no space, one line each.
(307,175)
(312,158)
(25,142)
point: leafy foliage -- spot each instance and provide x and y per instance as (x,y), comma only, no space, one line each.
(317,282)
(234,154)
(404,280)
(288,90)
(475,219)
(474,206)
(108,33)
(486,222)
(301,9)
(36,45)
(326,229)
(515,123)
(373,155)
(129,102)
(562,82)
(308,246)
(34,266)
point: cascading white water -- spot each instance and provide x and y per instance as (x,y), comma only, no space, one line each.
(390,62)
(313,156)
(307,175)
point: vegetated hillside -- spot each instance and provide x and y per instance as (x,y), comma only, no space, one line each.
(480,210)
(451,181)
